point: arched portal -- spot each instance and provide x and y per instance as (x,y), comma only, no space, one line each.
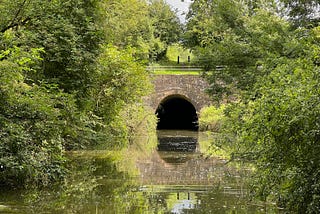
(176,112)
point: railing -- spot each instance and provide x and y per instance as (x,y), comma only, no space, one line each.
(174,68)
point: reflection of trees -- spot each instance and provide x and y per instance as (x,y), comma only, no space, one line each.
(94,184)
(224,202)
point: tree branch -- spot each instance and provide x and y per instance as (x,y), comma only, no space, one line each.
(14,21)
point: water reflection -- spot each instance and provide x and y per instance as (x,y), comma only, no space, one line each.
(145,179)
(177,144)
(183,180)
(177,147)
(170,165)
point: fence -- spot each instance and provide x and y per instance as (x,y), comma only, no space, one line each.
(174,68)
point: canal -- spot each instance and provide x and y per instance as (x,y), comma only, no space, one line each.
(167,173)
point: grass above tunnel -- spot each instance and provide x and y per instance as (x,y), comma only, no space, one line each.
(175,72)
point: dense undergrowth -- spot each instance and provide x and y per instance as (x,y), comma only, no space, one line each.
(270,58)
(73,77)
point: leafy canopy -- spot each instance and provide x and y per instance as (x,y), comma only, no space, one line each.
(252,51)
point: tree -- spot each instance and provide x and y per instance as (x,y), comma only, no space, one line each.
(67,32)
(220,37)
(30,129)
(127,23)
(55,70)
(166,25)
(121,83)
(280,133)
(302,12)
(273,66)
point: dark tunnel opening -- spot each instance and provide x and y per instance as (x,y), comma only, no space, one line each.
(176,113)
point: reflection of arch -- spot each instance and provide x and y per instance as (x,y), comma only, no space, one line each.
(173,158)
(177,112)
(177,146)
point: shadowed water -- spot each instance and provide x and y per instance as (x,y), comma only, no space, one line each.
(167,174)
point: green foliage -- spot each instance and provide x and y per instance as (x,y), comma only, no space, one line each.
(302,12)
(120,80)
(176,50)
(120,83)
(68,34)
(166,25)
(138,119)
(275,69)
(31,144)
(275,132)
(127,23)
(233,46)
(149,27)
(283,131)
(46,50)
(157,50)
(60,88)
(211,118)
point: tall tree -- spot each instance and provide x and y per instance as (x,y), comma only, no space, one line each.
(303,12)
(218,34)
(47,55)
(65,30)
(273,66)
(54,71)
(166,26)
(126,23)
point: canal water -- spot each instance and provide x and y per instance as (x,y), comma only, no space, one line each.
(167,173)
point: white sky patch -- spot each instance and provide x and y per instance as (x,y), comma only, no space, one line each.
(182,6)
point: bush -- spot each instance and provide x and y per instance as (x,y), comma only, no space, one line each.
(211,118)
(30,146)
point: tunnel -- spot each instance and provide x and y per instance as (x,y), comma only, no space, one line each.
(177,113)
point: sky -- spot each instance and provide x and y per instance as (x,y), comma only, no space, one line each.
(181,5)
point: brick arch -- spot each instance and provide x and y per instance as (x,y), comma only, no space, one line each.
(176,94)
(190,87)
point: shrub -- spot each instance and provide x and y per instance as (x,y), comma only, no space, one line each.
(211,118)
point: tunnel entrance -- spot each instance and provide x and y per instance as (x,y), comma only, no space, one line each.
(175,112)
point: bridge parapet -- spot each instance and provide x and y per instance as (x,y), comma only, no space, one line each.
(190,87)
(175,68)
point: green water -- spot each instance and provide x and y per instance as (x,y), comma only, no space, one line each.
(175,176)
